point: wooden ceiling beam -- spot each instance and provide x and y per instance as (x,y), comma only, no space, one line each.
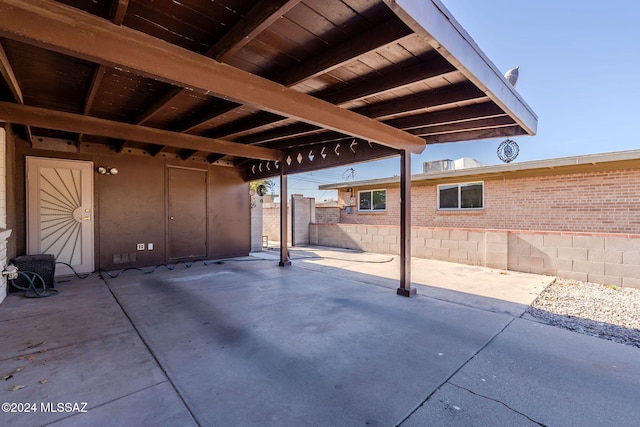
(434,66)
(12,82)
(285,132)
(246,124)
(384,109)
(443,117)
(467,126)
(502,132)
(378,37)
(259,18)
(48,24)
(414,103)
(58,120)
(118,10)
(253,23)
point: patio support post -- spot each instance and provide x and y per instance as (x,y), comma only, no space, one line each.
(405,288)
(284,196)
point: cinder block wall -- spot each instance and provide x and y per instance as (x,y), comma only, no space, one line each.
(327,214)
(271,221)
(611,259)
(583,225)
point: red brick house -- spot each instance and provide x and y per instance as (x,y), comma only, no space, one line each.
(575,217)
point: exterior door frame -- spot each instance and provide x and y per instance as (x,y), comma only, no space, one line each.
(168,220)
(83,214)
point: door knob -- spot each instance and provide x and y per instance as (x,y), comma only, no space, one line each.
(171,218)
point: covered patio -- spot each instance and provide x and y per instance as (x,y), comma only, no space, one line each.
(244,343)
(166,109)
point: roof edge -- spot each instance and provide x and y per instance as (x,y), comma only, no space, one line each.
(453,42)
(561,162)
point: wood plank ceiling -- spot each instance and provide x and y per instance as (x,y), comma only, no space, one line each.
(261,84)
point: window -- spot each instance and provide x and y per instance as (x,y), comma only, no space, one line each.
(461,196)
(375,200)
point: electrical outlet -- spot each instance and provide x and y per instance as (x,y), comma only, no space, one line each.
(150,246)
(140,246)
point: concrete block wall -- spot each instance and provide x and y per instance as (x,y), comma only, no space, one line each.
(463,246)
(304,213)
(271,221)
(612,259)
(327,214)
(256,223)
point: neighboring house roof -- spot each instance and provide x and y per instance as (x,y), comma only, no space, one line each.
(262,85)
(562,165)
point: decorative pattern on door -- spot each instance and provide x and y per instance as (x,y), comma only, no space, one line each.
(61,214)
(60,211)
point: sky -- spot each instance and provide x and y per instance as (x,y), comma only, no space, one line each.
(579,72)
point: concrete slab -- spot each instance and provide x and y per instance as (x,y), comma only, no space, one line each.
(76,347)
(93,372)
(158,405)
(323,342)
(489,289)
(300,348)
(458,407)
(549,375)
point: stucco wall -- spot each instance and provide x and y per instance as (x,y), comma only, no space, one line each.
(130,207)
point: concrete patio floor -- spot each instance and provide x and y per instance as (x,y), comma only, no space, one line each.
(324,342)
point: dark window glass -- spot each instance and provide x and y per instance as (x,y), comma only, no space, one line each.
(365,201)
(449,197)
(471,196)
(372,200)
(380,200)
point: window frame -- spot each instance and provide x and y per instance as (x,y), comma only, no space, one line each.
(459,186)
(370,210)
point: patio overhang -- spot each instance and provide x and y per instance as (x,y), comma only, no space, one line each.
(272,87)
(262,80)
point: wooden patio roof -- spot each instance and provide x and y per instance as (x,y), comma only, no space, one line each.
(259,84)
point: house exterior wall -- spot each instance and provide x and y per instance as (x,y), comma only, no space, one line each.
(602,202)
(130,207)
(582,225)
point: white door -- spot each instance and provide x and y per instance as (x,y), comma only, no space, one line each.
(60,212)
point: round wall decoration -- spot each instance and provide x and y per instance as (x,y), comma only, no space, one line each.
(508,150)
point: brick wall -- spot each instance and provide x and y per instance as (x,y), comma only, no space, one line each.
(599,202)
(582,225)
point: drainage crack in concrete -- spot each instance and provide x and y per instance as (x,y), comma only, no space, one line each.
(497,401)
(482,347)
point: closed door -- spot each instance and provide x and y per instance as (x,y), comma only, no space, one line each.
(60,212)
(187,213)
